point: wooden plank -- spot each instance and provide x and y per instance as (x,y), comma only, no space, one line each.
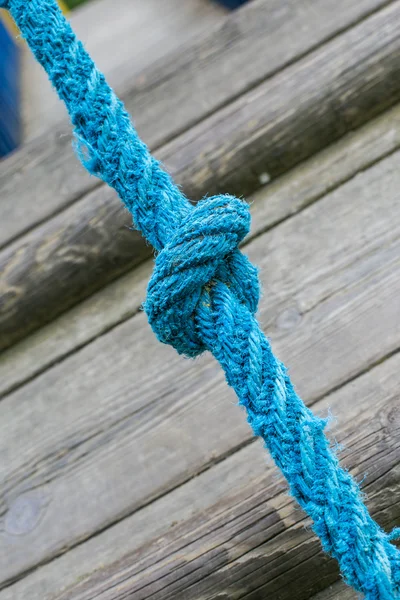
(124,37)
(73,254)
(247,47)
(272,204)
(337,591)
(83,428)
(233,532)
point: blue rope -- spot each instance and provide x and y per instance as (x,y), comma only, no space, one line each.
(203,296)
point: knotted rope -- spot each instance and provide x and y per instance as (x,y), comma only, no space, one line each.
(202,253)
(203,296)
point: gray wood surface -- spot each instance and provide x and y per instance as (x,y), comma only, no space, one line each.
(258,544)
(337,591)
(272,204)
(73,254)
(247,47)
(124,37)
(232,532)
(85,446)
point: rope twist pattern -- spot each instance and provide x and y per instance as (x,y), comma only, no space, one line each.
(203,296)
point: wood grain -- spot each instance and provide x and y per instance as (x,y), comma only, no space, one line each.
(66,259)
(272,204)
(294,114)
(337,591)
(233,532)
(258,544)
(125,420)
(309,104)
(207,73)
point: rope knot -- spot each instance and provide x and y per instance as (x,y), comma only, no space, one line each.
(203,250)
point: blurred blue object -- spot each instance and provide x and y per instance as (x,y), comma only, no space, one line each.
(232,3)
(10,118)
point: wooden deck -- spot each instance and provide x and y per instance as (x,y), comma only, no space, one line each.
(116,478)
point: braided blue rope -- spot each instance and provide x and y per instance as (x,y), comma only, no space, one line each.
(203,296)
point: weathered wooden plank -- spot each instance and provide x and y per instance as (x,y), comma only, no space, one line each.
(69,245)
(337,591)
(123,38)
(193,82)
(120,300)
(88,246)
(232,532)
(85,430)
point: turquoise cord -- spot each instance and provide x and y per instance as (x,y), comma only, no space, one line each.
(203,295)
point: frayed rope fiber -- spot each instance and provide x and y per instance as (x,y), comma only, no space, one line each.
(203,296)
